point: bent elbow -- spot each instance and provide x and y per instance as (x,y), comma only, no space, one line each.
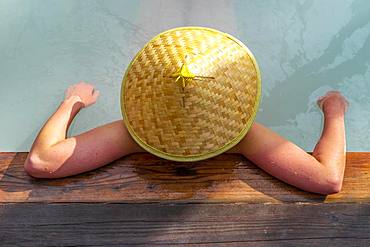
(36,167)
(333,185)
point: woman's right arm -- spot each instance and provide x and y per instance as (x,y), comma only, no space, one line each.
(322,172)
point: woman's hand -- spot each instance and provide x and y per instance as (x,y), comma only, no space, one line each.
(83,92)
(333,103)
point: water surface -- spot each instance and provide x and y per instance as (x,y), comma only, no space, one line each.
(304,48)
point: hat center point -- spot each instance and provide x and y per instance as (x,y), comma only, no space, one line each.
(184,75)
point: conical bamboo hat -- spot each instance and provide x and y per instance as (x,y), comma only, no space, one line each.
(190,94)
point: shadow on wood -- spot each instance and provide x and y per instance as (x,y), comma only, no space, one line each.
(204,215)
(146,178)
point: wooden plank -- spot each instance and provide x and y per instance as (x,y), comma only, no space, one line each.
(77,224)
(146,178)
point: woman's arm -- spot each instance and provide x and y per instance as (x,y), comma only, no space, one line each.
(53,155)
(323,171)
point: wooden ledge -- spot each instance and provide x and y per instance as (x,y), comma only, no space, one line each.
(206,225)
(145,178)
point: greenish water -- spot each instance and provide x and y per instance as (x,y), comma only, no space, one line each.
(304,48)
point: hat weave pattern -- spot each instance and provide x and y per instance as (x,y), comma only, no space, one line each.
(192,116)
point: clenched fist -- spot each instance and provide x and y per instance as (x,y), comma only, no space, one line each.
(85,92)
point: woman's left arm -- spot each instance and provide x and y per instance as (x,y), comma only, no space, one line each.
(54,155)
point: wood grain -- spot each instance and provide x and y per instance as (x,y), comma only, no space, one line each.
(146,178)
(99,224)
(144,200)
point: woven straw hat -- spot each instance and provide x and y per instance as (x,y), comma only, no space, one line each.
(190,94)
